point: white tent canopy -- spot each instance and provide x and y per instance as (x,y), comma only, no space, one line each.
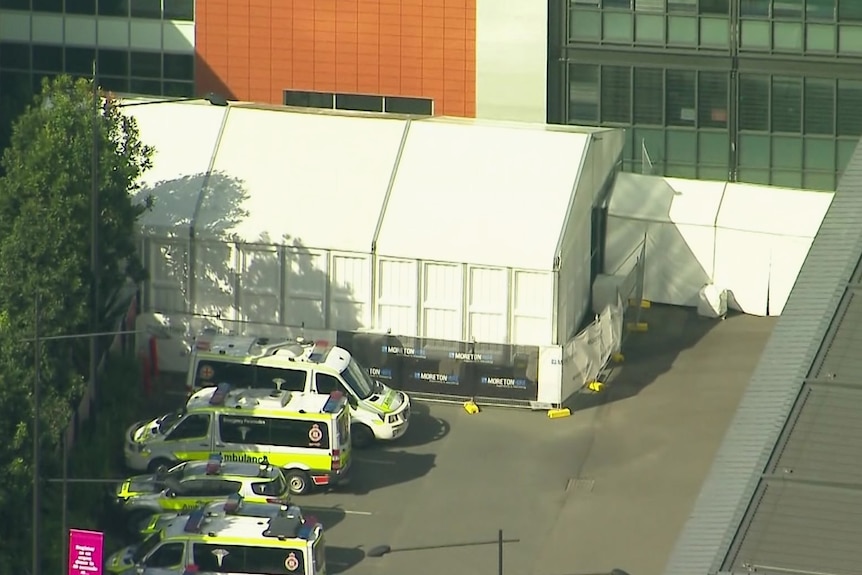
(434,227)
(750,240)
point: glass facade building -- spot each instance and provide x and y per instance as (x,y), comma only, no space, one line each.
(758,91)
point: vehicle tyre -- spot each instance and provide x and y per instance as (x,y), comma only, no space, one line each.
(159,466)
(136,518)
(298,481)
(361,436)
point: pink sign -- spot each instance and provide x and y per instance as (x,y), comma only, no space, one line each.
(85,552)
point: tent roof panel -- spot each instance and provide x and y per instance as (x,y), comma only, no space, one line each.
(315,178)
(771,210)
(482,193)
(665,200)
(180,161)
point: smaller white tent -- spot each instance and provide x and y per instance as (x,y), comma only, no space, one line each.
(676,218)
(750,240)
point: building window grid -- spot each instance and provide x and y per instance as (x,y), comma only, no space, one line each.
(178,10)
(120,83)
(698,13)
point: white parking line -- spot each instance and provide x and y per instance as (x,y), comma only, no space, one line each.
(313,508)
(366,513)
(374,461)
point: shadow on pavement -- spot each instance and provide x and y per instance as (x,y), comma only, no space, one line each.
(672,330)
(340,559)
(424,428)
(381,468)
(329,517)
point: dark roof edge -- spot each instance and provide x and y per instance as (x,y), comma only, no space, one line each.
(766,404)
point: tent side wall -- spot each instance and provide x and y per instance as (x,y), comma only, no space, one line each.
(577,246)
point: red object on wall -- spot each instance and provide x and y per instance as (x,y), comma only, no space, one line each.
(154,356)
(253,50)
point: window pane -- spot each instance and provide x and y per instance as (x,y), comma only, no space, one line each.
(820,154)
(819,106)
(81,6)
(820,38)
(583,93)
(146,9)
(787,178)
(753,151)
(14,56)
(113,7)
(681,30)
(178,89)
(849,40)
(714,32)
(616,94)
(649,29)
(713,149)
(15,4)
(414,106)
(714,6)
(359,102)
(649,5)
(753,102)
(179,66)
(146,64)
(849,107)
(689,6)
(712,100)
(754,7)
(585,25)
(79,61)
(756,35)
(786,104)
(45,5)
(48,58)
(623,4)
(114,84)
(618,27)
(309,99)
(648,89)
(787,36)
(787,152)
(818,181)
(679,104)
(180,10)
(820,9)
(787,9)
(113,62)
(849,11)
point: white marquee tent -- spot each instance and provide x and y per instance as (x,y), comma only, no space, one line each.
(443,228)
(750,240)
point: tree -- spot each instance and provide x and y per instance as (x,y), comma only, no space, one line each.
(45,251)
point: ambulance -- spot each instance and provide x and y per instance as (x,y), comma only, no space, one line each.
(305,434)
(281,545)
(377,411)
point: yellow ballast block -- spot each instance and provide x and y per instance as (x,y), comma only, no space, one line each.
(595,386)
(471,407)
(644,304)
(617,357)
(640,326)
(558,413)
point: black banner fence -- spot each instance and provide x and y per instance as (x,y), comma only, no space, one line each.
(494,373)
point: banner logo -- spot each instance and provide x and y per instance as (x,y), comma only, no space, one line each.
(449,379)
(471,357)
(405,351)
(505,382)
(381,372)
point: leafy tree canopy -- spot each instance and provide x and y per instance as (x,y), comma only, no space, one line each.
(45,251)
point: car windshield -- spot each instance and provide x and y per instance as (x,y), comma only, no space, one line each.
(274,488)
(168,421)
(146,546)
(359,380)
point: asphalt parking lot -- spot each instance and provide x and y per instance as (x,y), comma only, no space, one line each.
(608,487)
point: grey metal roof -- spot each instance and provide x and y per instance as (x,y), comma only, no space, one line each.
(780,492)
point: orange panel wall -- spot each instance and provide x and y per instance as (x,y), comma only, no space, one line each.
(254,49)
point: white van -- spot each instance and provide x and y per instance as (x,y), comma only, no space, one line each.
(376,411)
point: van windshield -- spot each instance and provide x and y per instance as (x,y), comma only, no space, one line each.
(168,421)
(146,546)
(358,380)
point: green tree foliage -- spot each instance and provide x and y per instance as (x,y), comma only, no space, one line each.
(45,251)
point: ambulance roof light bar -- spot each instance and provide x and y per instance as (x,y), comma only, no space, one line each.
(334,403)
(308,527)
(195,521)
(233,503)
(220,394)
(214,464)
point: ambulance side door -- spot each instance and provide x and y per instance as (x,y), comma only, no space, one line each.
(192,437)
